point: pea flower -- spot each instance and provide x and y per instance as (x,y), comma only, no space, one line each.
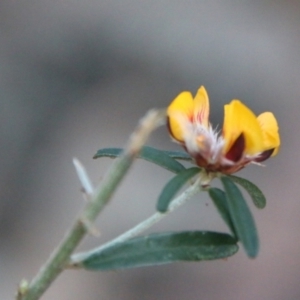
(244,139)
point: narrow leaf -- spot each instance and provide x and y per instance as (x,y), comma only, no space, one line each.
(162,248)
(220,201)
(108,152)
(256,194)
(178,155)
(161,158)
(150,154)
(241,217)
(173,186)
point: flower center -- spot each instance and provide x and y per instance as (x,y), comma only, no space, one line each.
(204,141)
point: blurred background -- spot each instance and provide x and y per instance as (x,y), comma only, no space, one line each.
(76,76)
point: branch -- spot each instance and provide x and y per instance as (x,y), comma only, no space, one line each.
(61,255)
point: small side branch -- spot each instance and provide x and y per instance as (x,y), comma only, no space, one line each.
(76,259)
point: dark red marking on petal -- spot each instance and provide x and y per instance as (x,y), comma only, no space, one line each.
(200,161)
(264,155)
(199,117)
(232,169)
(235,153)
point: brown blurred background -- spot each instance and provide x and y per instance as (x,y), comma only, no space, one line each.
(77,75)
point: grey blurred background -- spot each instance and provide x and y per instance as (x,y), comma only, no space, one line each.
(77,75)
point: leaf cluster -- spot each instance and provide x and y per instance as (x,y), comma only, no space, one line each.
(167,247)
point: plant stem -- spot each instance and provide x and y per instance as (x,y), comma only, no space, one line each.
(76,259)
(61,255)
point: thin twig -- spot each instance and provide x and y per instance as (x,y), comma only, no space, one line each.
(77,258)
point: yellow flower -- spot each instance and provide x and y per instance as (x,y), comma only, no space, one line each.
(245,138)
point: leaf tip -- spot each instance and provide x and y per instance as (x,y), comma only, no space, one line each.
(252,255)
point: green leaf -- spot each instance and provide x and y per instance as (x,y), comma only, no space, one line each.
(150,154)
(178,155)
(108,152)
(256,194)
(173,186)
(162,248)
(241,217)
(220,201)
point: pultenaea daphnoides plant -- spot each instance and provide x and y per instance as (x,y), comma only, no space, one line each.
(244,139)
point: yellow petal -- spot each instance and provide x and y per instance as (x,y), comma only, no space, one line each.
(270,133)
(201,107)
(179,112)
(240,119)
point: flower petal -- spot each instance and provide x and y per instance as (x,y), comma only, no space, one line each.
(240,119)
(270,133)
(179,113)
(201,107)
